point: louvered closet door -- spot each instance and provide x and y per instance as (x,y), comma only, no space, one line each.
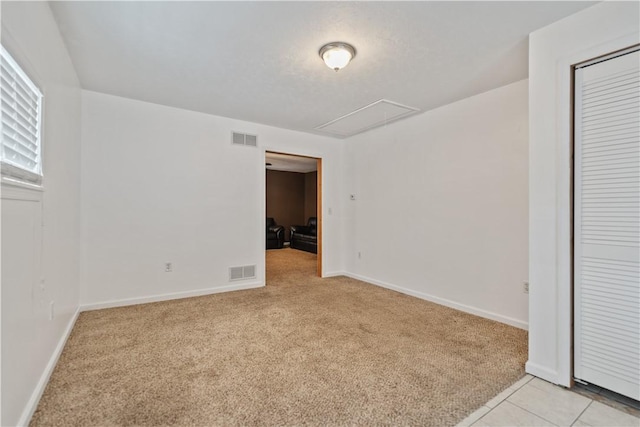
(607,224)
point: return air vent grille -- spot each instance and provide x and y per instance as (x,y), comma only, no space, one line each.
(242,273)
(244,139)
(368,117)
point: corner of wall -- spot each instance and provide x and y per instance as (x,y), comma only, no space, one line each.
(40,303)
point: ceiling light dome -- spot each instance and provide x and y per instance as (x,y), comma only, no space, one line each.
(337,55)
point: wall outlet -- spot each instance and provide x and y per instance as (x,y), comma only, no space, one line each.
(359,255)
(525,287)
(330,211)
(168,267)
(52,308)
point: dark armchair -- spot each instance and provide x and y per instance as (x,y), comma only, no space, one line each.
(275,234)
(305,237)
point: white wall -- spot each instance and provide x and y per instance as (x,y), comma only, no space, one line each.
(441,205)
(596,31)
(162,184)
(41,230)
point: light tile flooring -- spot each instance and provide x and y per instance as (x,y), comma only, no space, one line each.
(534,402)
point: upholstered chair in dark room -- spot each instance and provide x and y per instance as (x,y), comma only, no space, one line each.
(275,235)
(305,237)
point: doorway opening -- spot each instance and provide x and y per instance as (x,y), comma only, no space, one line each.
(293,198)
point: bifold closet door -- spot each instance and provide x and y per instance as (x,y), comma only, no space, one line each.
(607,224)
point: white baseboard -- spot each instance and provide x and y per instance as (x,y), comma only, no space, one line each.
(531,368)
(32,404)
(334,274)
(541,372)
(169,296)
(448,303)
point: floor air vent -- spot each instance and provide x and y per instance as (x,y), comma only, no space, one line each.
(242,273)
(244,139)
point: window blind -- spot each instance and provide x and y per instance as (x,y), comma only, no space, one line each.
(21,107)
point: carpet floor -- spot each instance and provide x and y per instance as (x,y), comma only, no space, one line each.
(300,351)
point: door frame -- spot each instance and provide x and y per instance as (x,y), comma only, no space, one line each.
(551,329)
(575,163)
(318,160)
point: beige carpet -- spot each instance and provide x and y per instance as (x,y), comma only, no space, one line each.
(302,350)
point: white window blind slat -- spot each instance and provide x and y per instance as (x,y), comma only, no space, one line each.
(21,109)
(12,97)
(21,148)
(11,107)
(21,124)
(13,137)
(18,159)
(16,132)
(20,79)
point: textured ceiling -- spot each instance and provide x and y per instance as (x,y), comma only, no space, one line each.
(258,61)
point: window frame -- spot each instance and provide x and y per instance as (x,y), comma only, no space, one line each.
(10,172)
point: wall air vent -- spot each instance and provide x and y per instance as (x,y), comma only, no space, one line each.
(242,273)
(244,139)
(368,117)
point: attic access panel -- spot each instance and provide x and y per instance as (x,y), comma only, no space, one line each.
(368,117)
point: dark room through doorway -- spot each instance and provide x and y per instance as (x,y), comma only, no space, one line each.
(293,196)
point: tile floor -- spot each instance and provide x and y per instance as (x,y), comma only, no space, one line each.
(535,402)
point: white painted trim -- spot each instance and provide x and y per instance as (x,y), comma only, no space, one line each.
(334,274)
(32,404)
(541,372)
(448,303)
(564,212)
(170,296)
(13,182)
(262,183)
(15,192)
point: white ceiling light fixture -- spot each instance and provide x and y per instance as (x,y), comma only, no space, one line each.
(337,55)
